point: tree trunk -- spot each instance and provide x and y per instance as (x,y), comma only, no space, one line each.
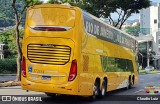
(19,57)
(18,19)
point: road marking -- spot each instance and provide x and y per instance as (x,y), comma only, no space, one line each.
(139,91)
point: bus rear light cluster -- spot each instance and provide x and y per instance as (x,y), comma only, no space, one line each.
(23,66)
(73,71)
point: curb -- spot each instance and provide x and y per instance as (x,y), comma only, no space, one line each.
(9,83)
(148,73)
(3,81)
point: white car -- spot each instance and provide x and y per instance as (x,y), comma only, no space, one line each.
(149,68)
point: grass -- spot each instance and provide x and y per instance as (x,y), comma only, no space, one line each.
(142,72)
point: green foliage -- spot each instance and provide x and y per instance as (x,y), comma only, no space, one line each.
(6,14)
(57,1)
(110,64)
(8,37)
(125,8)
(8,66)
(103,8)
(32,2)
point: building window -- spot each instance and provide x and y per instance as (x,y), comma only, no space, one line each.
(159,41)
(155,21)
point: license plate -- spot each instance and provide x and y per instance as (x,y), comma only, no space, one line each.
(46,77)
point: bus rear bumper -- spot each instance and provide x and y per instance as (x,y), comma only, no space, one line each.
(69,89)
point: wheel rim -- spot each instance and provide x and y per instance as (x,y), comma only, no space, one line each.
(132,82)
(103,92)
(95,90)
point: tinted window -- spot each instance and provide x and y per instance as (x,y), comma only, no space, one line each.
(110,64)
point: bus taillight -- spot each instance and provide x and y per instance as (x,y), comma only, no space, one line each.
(23,66)
(73,71)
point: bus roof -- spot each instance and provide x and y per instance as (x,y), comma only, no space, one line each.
(52,5)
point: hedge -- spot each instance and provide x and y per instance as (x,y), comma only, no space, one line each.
(8,66)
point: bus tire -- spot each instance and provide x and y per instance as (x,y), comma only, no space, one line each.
(127,87)
(50,94)
(104,87)
(128,84)
(96,91)
(131,83)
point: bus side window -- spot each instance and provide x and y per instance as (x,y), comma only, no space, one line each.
(127,66)
(130,66)
(111,64)
(104,63)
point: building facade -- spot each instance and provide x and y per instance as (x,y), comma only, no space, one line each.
(150,26)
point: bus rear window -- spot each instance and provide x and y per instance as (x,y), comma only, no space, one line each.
(51,17)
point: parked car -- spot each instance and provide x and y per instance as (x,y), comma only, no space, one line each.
(149,68)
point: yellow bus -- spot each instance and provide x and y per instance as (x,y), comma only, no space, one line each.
(69,51)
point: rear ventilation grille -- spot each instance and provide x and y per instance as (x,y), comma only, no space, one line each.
(48,54)
(85,63)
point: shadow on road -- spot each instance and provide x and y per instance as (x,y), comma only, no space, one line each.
(111,96)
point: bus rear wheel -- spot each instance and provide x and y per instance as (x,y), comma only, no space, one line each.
(51,94)
(96,91)
(103,90)
(131,83)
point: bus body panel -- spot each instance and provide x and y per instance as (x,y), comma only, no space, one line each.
(51,16)
(94,56)
(49,53)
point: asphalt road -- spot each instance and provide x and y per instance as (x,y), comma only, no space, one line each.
(7,78)
(121,96)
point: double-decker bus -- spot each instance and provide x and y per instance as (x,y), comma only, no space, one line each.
(69,51)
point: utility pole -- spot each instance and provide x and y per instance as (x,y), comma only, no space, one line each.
(149,50)
(148,53)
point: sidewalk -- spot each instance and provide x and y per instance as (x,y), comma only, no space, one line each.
(16,90)
(9,83)
(142,72)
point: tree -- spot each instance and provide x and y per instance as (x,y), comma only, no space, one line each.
(8,37)
(126,8)
(18,19)
(57,1)
(104,8)
(6,14)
